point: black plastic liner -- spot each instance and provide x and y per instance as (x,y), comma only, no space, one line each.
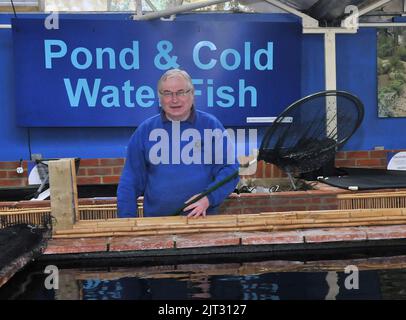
(367,179)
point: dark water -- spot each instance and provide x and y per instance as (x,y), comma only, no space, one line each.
(252,281)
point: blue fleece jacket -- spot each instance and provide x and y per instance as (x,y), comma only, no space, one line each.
(168,164)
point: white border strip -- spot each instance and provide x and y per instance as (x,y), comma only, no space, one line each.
(268,119)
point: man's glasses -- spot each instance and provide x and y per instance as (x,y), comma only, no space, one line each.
(178,94)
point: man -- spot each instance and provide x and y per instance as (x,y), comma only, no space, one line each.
(171,160)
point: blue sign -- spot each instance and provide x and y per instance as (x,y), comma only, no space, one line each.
(103,73)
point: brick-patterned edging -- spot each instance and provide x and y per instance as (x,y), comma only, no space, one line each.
(222,239)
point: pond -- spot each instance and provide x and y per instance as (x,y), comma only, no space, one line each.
(348,279)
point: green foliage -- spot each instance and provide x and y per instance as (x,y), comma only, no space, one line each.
(400,52)
(383,66)
(386,101)
(396,64)
(385,45)
(397,86)
(391,65)
(397,75)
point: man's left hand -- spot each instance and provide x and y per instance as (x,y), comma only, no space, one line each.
(198,208)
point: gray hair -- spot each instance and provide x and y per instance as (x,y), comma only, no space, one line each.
(176,73)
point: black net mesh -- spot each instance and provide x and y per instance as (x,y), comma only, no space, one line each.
(307,134)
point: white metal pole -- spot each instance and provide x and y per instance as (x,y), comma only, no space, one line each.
(330,60)
(372,6)
(138,8)
(178,9)
(330,83)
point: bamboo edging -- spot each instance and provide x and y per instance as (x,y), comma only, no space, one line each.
(396,199)
(10,215)
(266,222)
(389,208)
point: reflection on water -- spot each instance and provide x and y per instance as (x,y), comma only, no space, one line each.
(225,287)
(266,280)
(270,286)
